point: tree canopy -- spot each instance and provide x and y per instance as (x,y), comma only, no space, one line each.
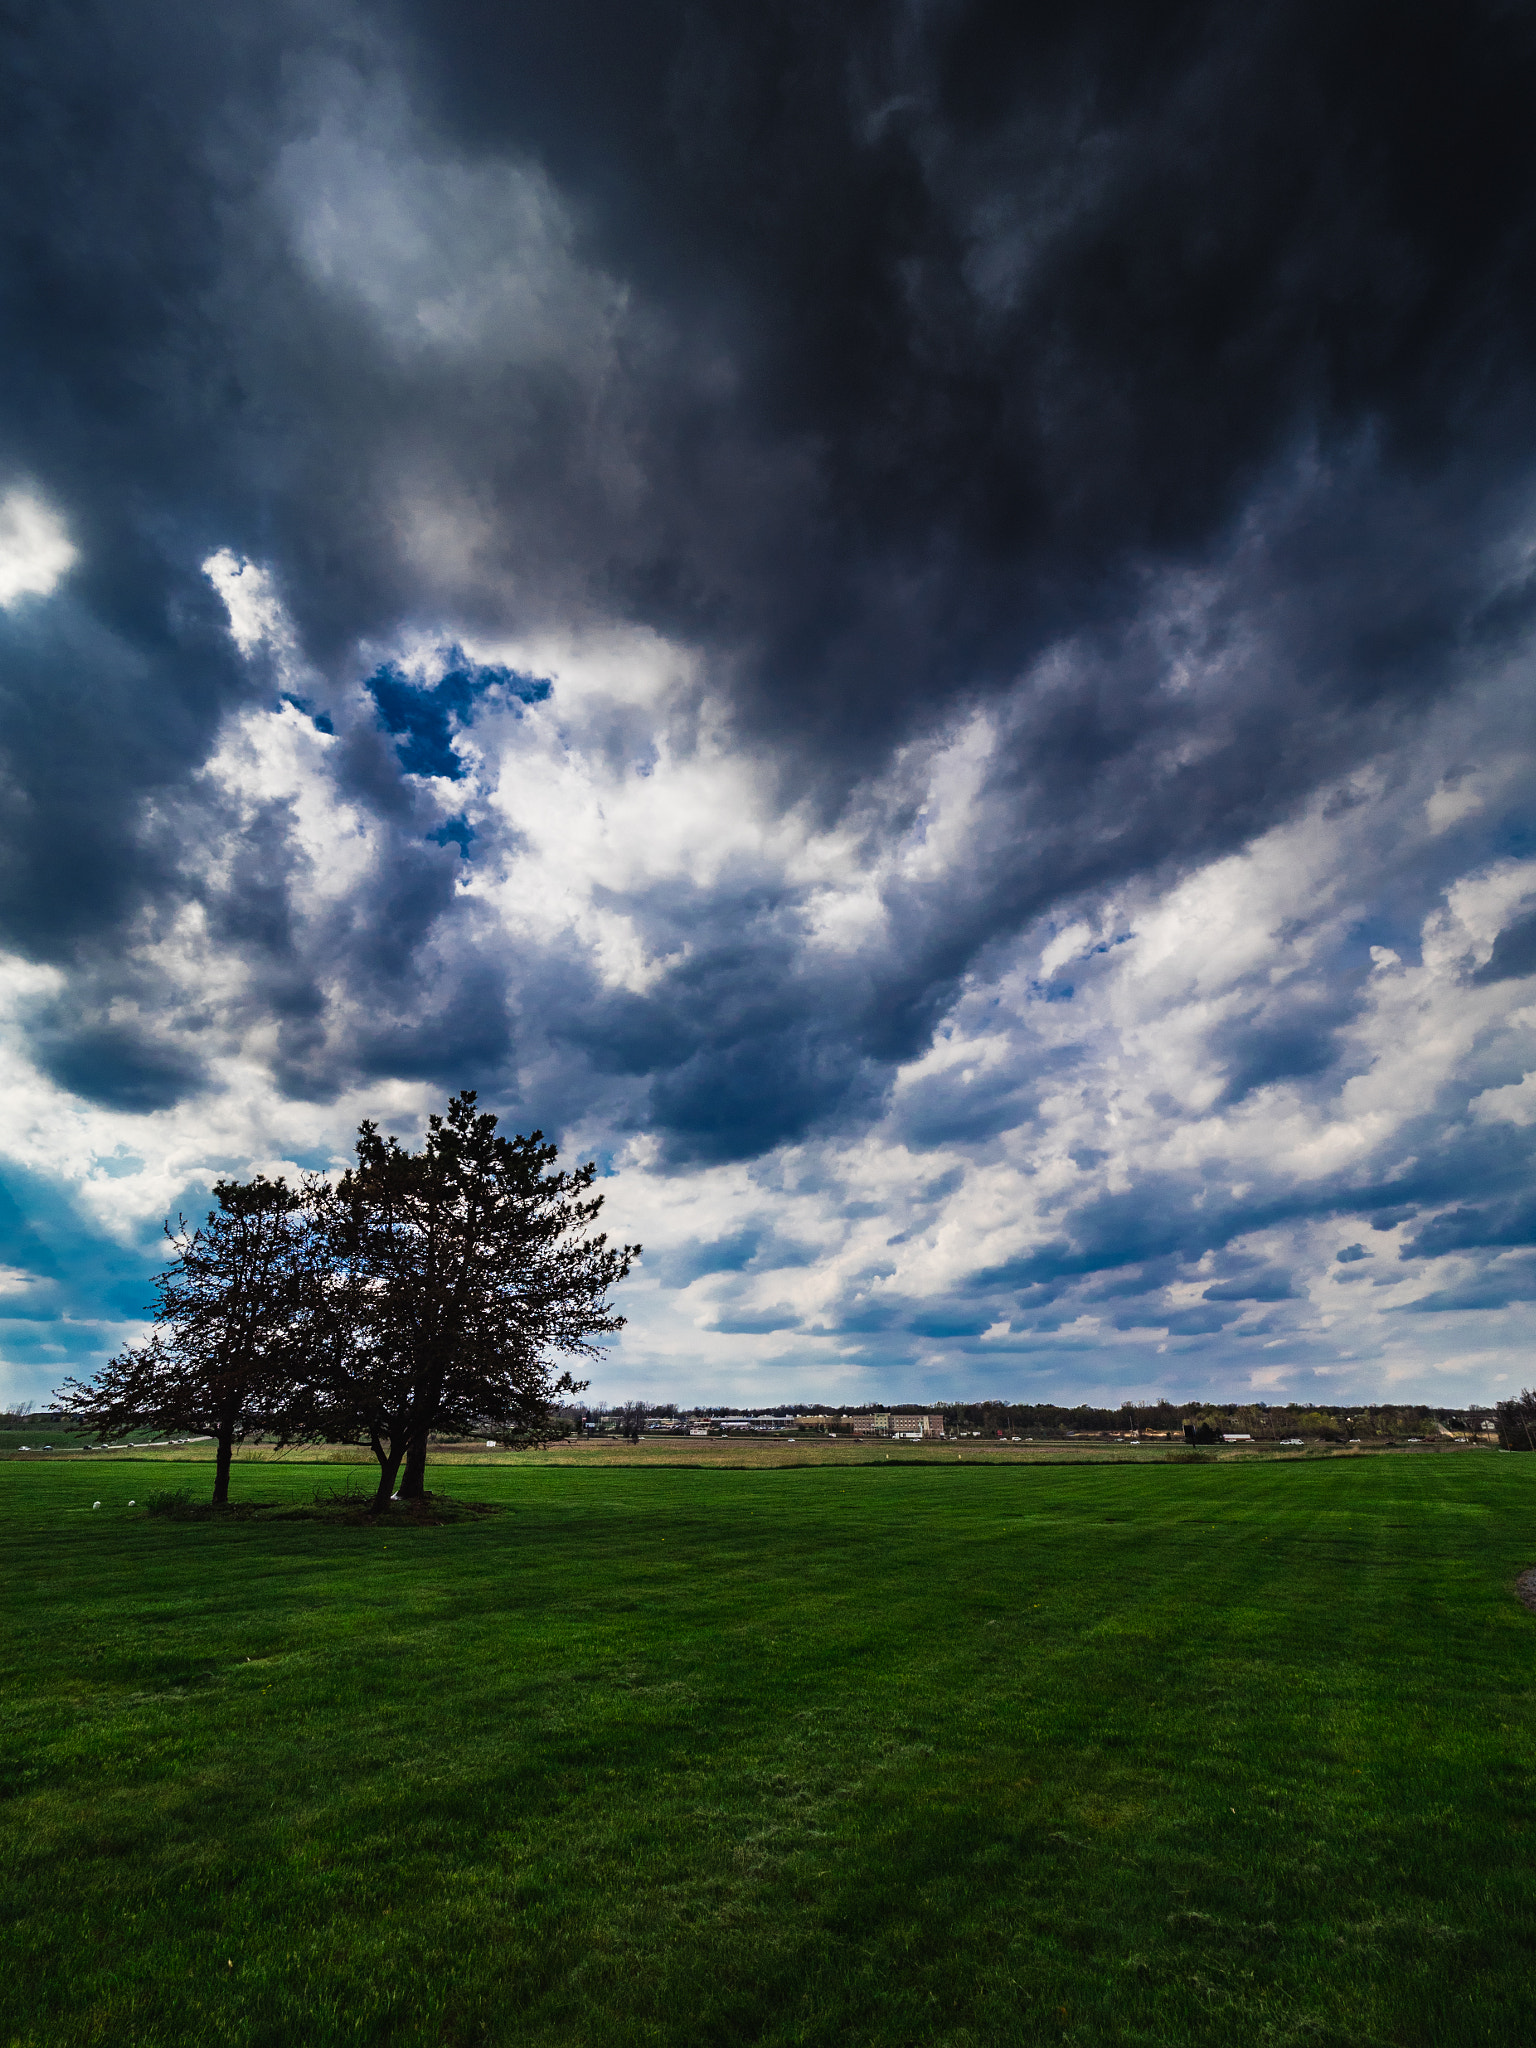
(423,1292)
(225,1351)
(1515,1421)
(447,1283)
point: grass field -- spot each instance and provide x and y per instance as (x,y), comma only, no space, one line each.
(733,1453)
(1239,1752)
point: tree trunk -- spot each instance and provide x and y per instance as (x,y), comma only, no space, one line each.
(222,1464)
(414,1483)
(389,1465)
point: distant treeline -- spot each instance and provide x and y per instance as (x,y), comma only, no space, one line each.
(1044,1418)
(1514,1421)
(1256,1419)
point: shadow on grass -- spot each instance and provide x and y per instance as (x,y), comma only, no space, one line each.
(343,1506)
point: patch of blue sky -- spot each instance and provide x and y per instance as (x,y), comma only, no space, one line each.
(84,1285)
(320,720)
(456,831)
(120,1164)
(422,717)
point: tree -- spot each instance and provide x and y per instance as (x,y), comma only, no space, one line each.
(223,1355)
(444,1280)
(1516,1422)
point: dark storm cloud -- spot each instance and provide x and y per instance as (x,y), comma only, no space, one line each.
(898,359)
(120,1068)
(1461,1229)
(1499,1285)
(1041,293)
(949,1108)
(1273,1285)
(762,1324)
(98,715)
(1513,956)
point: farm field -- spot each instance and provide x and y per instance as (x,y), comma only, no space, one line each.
(918,1752)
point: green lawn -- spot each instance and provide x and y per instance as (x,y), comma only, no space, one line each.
(908,1753)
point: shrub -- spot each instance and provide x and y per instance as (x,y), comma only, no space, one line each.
(173,1501)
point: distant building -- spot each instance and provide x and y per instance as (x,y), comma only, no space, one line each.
(914,1426)
(871,1425)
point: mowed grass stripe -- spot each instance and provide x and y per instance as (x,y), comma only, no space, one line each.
(888,1754)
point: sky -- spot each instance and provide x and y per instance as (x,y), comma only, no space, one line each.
(912,625)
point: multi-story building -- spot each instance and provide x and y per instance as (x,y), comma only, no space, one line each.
(914,1426)
(870,1425)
